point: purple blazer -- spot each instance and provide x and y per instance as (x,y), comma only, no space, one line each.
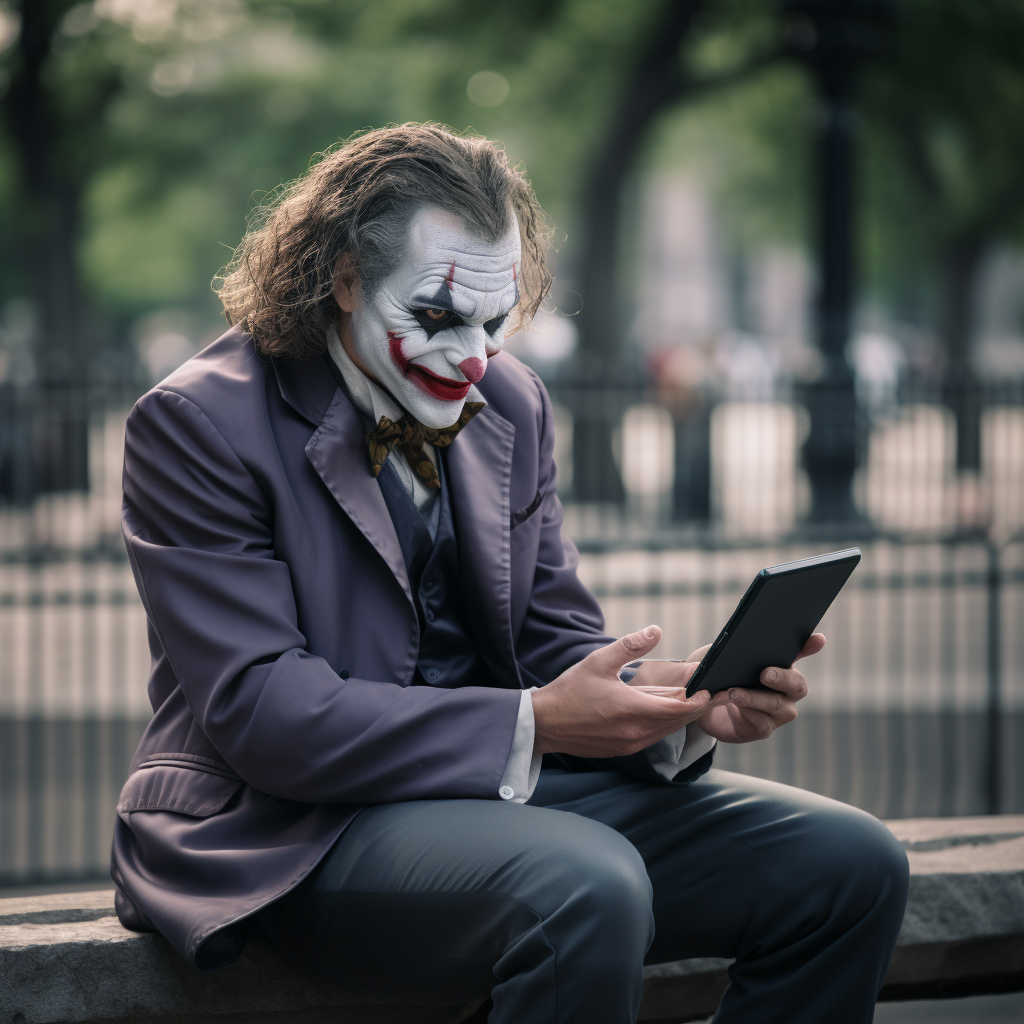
(284,636)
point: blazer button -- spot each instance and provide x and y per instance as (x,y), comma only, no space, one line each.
(506,792)
(432,673)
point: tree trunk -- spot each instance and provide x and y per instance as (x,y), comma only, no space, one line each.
(48,223)
(655,82)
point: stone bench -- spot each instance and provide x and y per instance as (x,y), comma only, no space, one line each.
(67,959)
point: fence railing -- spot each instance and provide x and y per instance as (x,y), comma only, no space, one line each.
(690,457)
(693,458)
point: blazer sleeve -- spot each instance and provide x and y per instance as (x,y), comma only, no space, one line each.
(199,533)
(563,621)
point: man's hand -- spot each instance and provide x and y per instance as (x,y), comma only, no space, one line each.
(590,712)
(756,714)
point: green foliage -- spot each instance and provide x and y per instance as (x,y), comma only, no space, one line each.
(944,112)
(749,145)
(180,118)
(177,118)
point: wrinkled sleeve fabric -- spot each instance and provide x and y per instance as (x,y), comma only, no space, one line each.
(564,624)
(198,529)
(678,751)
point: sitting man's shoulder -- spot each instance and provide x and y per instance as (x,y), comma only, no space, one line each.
(225,370)
(233,386)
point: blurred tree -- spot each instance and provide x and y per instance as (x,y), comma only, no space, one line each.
(49,132)
(941,115)
(165,121)
(947,110)
(691,47)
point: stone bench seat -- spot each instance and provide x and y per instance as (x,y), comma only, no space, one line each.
(67,959)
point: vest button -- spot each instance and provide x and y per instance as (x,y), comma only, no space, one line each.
(432,673)
(506,792)
(428,585)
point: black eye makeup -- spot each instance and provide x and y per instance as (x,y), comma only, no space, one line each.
(433,320)
(494,324)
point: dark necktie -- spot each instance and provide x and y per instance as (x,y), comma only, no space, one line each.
(408,435)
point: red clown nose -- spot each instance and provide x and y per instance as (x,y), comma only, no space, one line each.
(473,369)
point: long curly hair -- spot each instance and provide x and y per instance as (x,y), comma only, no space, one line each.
(348,213)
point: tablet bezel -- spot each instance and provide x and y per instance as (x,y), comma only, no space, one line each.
(707,663)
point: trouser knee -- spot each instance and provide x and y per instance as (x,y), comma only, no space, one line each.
(877,872)
(605,910)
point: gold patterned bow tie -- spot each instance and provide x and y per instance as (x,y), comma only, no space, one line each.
(408,435)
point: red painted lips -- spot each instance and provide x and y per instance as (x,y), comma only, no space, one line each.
(440,387)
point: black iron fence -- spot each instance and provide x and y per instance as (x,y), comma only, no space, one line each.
(916,705)
(926,465)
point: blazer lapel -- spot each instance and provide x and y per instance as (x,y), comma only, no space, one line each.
(337,451)
(479,463)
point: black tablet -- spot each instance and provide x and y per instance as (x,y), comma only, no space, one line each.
(773,621)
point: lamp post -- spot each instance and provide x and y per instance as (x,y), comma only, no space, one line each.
(833,37)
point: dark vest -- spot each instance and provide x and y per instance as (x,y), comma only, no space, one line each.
(448,657)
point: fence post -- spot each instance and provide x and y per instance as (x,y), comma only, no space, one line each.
(993,722)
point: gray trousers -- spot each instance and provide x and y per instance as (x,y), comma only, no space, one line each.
(554,906)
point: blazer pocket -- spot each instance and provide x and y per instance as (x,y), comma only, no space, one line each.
(525,536)
(182,790)
(520,517)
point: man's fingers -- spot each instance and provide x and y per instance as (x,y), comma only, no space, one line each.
(762,723)
(790,681)
(662,703)
(698,654)
(627,648)
(679,693)
(814,644)
(777,705)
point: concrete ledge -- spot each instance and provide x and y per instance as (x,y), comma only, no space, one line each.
(963,933)
(66,958)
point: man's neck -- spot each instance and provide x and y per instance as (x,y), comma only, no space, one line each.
(344,330)
(369,397)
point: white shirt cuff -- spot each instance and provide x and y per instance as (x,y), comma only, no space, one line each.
(671,755)
(522,770)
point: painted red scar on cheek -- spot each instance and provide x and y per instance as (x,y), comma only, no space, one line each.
(395,348)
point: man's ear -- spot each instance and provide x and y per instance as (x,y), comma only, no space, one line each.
(347,287)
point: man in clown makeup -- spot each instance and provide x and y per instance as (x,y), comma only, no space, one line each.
(389,734)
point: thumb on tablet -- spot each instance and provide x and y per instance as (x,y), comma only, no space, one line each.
(815,642)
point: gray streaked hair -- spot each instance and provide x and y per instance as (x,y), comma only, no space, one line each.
(348,214)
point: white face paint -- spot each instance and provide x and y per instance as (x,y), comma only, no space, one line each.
(427,331)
